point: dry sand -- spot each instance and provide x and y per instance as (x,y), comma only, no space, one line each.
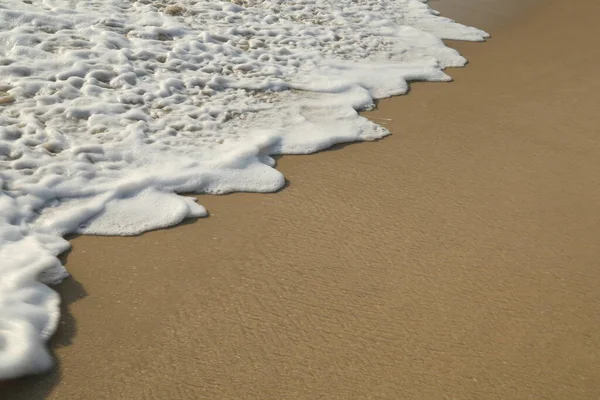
(456,259)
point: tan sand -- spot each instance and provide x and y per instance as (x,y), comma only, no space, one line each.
(456,259)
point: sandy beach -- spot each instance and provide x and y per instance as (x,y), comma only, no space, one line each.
(455,259)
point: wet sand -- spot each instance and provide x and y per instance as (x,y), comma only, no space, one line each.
(456,259)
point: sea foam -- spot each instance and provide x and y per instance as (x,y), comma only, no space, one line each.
(108,108)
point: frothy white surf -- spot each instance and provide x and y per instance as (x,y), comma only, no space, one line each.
(110,107)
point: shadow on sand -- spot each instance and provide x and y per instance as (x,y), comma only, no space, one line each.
(38,387)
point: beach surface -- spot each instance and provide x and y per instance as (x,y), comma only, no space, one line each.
(455,259)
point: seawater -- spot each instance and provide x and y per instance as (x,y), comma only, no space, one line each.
(109,108)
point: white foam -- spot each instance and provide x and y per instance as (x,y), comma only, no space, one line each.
(108,108)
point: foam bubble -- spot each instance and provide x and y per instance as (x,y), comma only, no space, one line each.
(108,108)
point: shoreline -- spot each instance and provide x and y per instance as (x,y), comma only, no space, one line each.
(408,285)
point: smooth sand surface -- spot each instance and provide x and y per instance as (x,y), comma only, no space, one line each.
(456,259)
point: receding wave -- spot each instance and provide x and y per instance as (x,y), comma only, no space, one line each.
(109,108)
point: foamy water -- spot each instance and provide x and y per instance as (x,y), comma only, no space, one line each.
(110,107)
